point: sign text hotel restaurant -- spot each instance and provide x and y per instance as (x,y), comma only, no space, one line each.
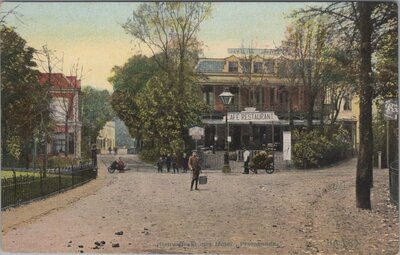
(252,116)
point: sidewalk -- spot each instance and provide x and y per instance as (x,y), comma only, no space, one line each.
(14,217)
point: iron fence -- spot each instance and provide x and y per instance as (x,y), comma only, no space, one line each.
(17,190)
(394,182)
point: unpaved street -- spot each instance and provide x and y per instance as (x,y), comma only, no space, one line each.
(288,212)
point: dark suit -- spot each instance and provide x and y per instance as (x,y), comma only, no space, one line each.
(194,164)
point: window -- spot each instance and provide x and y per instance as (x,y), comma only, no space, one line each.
(347,103)
(259,97)
(257,66)
(208,97)
(271,96)
(270,66)
(59,146)
(245,67)
(233,67)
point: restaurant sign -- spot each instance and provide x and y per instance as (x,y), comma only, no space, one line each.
(252,117)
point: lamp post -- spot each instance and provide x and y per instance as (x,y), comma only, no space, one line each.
(226,98)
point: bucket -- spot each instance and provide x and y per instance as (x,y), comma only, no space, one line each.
(203,179)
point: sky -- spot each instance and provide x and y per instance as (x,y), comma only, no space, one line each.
(90,35)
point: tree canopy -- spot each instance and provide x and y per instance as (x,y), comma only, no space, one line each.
(163,101)
(161,123)
(24,103)
(364,27)
(128,80)
(97,111)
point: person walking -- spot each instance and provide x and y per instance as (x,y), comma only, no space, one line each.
(168,162)
(194,166)
(174,162)
(160,163)
(246,159)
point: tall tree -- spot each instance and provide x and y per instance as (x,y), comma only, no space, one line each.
(363,25)
(305,45)
(364,163)
(23,115)
(169,30)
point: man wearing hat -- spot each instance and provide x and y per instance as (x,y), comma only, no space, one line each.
(194,165)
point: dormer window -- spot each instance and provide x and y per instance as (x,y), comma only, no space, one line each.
(233,67)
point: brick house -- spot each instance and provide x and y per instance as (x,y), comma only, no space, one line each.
(66,113)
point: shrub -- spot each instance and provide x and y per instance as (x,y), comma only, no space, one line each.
(315,148)
(149,155)
(60,161)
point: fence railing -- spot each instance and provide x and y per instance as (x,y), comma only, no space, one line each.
(16,190)
(394,182)
(216,161)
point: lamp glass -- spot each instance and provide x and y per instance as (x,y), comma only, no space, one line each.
(226,97)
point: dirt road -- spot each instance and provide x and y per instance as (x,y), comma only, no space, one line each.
(288,212)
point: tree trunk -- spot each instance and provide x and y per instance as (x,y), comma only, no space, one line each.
(290,117)
(321,113)
(364,161)
(310,110)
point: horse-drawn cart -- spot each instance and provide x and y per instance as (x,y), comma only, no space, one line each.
(262,161)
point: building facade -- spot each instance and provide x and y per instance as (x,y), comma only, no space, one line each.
(259,90)
(65,112)
(106,138)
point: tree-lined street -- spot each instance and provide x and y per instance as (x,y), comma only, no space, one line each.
(288,212)
(316,101)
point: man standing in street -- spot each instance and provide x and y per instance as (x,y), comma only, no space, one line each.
(174,162)
(194,165)
(160,163)
(185,162)
(168,162)
(246,159)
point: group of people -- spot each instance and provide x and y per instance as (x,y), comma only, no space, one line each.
(191,163)
(171,161)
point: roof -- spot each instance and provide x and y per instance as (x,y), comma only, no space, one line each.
(74,81)
(59,80)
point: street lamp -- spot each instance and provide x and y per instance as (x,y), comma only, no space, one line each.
(226,98)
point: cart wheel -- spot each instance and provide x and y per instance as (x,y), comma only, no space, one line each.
(270,169)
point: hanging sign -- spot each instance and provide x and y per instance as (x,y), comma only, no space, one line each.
(196,131)
(391,109)
(287,145)
(196,137)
